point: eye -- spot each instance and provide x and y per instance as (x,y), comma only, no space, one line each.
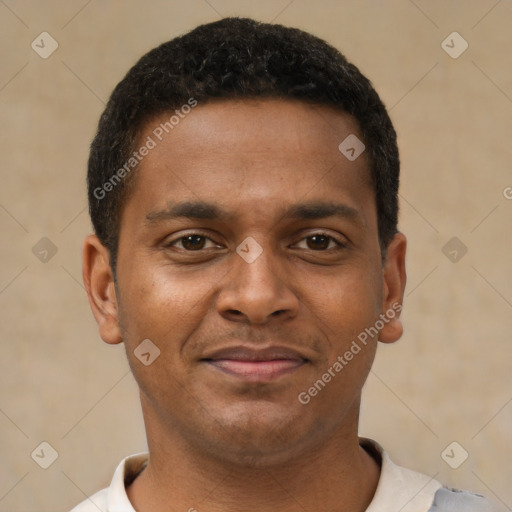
(321,242)
(196,242)
(191,242)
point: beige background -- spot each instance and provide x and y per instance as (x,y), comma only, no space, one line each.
(447,380)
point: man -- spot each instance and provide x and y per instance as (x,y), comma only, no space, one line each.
(243,190)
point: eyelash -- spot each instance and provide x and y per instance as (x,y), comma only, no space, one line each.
(339,244)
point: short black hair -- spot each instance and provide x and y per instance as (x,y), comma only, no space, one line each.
(235,58)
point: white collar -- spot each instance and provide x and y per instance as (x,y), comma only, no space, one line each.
(398,488)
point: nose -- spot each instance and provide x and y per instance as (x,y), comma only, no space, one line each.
(256,292)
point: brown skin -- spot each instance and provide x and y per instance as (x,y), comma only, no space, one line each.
(217,442)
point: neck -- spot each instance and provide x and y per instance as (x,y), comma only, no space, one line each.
(335,475)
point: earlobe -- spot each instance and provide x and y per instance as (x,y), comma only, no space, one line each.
(394,279)
(99,284)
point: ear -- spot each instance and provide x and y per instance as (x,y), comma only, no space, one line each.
(99,284)
(393,286)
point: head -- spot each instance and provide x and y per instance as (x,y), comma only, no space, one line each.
(235,59)
(226,216)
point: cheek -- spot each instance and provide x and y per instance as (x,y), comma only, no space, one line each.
(346,301)
(345,308)
(164,305)
(152,305)
(156,307)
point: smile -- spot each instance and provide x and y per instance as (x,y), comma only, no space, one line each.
(257,371)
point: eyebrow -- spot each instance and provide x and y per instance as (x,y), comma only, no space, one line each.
(202,210)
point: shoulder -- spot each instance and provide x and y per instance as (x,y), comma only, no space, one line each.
(454,500)
(406,490)
(399,488)
(95,503)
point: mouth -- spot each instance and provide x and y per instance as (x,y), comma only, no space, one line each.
(256,365)
(256,371)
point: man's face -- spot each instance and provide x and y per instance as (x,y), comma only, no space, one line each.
(226,250)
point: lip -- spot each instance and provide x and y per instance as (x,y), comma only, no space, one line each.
(256,365)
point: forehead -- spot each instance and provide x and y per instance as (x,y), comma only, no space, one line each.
(254,126)
(258,153)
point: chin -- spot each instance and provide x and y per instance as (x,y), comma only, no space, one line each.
(259,440)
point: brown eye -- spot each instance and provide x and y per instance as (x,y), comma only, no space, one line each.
(318,242)
(191,242)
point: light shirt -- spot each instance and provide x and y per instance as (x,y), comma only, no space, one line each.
(398,489)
